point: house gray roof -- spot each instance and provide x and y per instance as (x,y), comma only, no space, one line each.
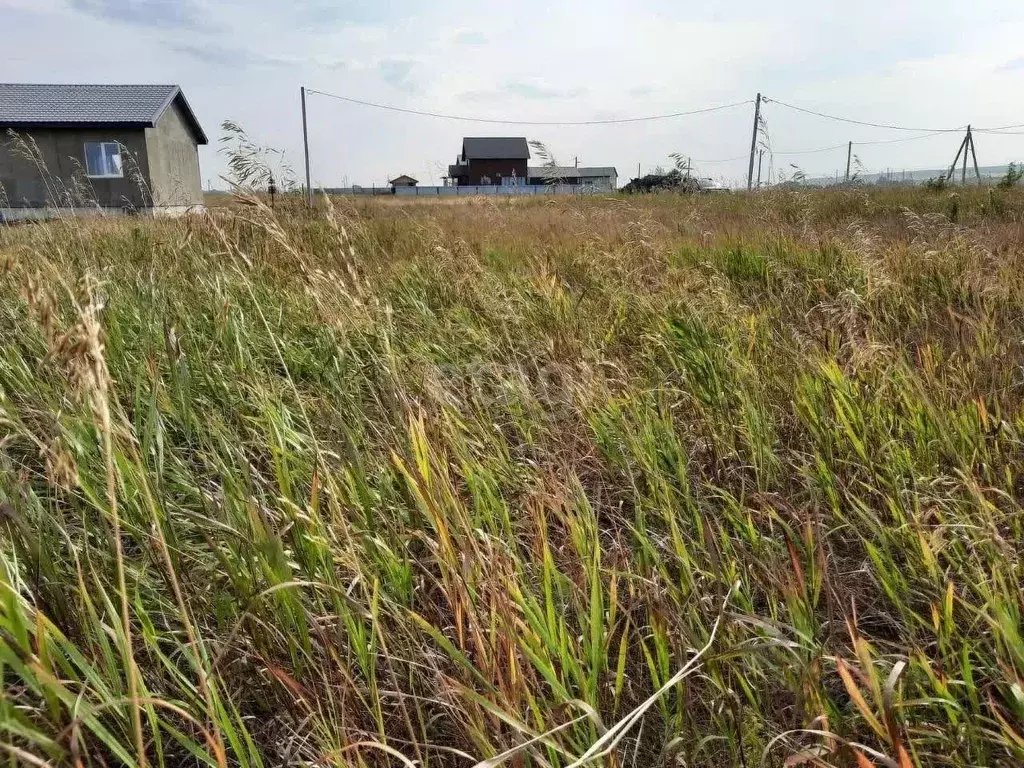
(136,106)
(571,172)
(495,148)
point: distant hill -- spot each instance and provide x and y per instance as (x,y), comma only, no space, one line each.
(910,177)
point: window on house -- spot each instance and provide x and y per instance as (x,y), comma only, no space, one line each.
(103,160)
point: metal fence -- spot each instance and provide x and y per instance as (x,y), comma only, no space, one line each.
(471,191)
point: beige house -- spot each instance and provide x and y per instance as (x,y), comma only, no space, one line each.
(98,148)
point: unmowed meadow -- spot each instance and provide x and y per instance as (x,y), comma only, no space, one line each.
(662,481)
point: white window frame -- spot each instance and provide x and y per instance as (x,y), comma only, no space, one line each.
(105,151)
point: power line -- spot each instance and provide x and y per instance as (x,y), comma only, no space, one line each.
(827,149)
(807,151)
(724,160)
(462,118)
(927,135)
(860,144)
(860,122)
(1000,128)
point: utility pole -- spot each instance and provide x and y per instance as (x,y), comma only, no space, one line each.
(305,146)
(952,168)
(849,154)
(974,155)
(967,143)
(753,142)
(760,157)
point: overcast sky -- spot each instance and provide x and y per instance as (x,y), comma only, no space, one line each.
(927,63)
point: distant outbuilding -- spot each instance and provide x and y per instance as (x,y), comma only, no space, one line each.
(91,148)
(604,179)
(403,181)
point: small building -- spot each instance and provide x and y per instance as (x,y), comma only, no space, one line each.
(98,147)
(403,181)
(491,160)
(604,178)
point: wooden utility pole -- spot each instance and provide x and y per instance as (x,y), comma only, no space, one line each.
(952,168)
(967,145)
(849,154)
(753,141)
(974,156)
(305,146)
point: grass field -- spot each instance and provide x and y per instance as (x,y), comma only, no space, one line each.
(729,481)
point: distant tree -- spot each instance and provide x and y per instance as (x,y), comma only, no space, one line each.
(673,181)
(1013,176)
(679,179)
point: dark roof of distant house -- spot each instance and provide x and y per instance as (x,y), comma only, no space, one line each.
(82,106)
(403,179)
(495,148)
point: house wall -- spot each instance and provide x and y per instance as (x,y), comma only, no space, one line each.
(55,174)
(173,161)
(493,169)
(603,183)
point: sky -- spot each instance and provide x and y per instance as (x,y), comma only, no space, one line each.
(915,63)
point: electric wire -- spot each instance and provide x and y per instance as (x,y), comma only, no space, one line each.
(999,131)
(1007,129)
(496,121)
(724,160)
(852,121)
(858,144)
(826,149)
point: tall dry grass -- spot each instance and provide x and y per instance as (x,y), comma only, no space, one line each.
(728,481)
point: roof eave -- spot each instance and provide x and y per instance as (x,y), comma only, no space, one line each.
(190,116)
(71,124)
